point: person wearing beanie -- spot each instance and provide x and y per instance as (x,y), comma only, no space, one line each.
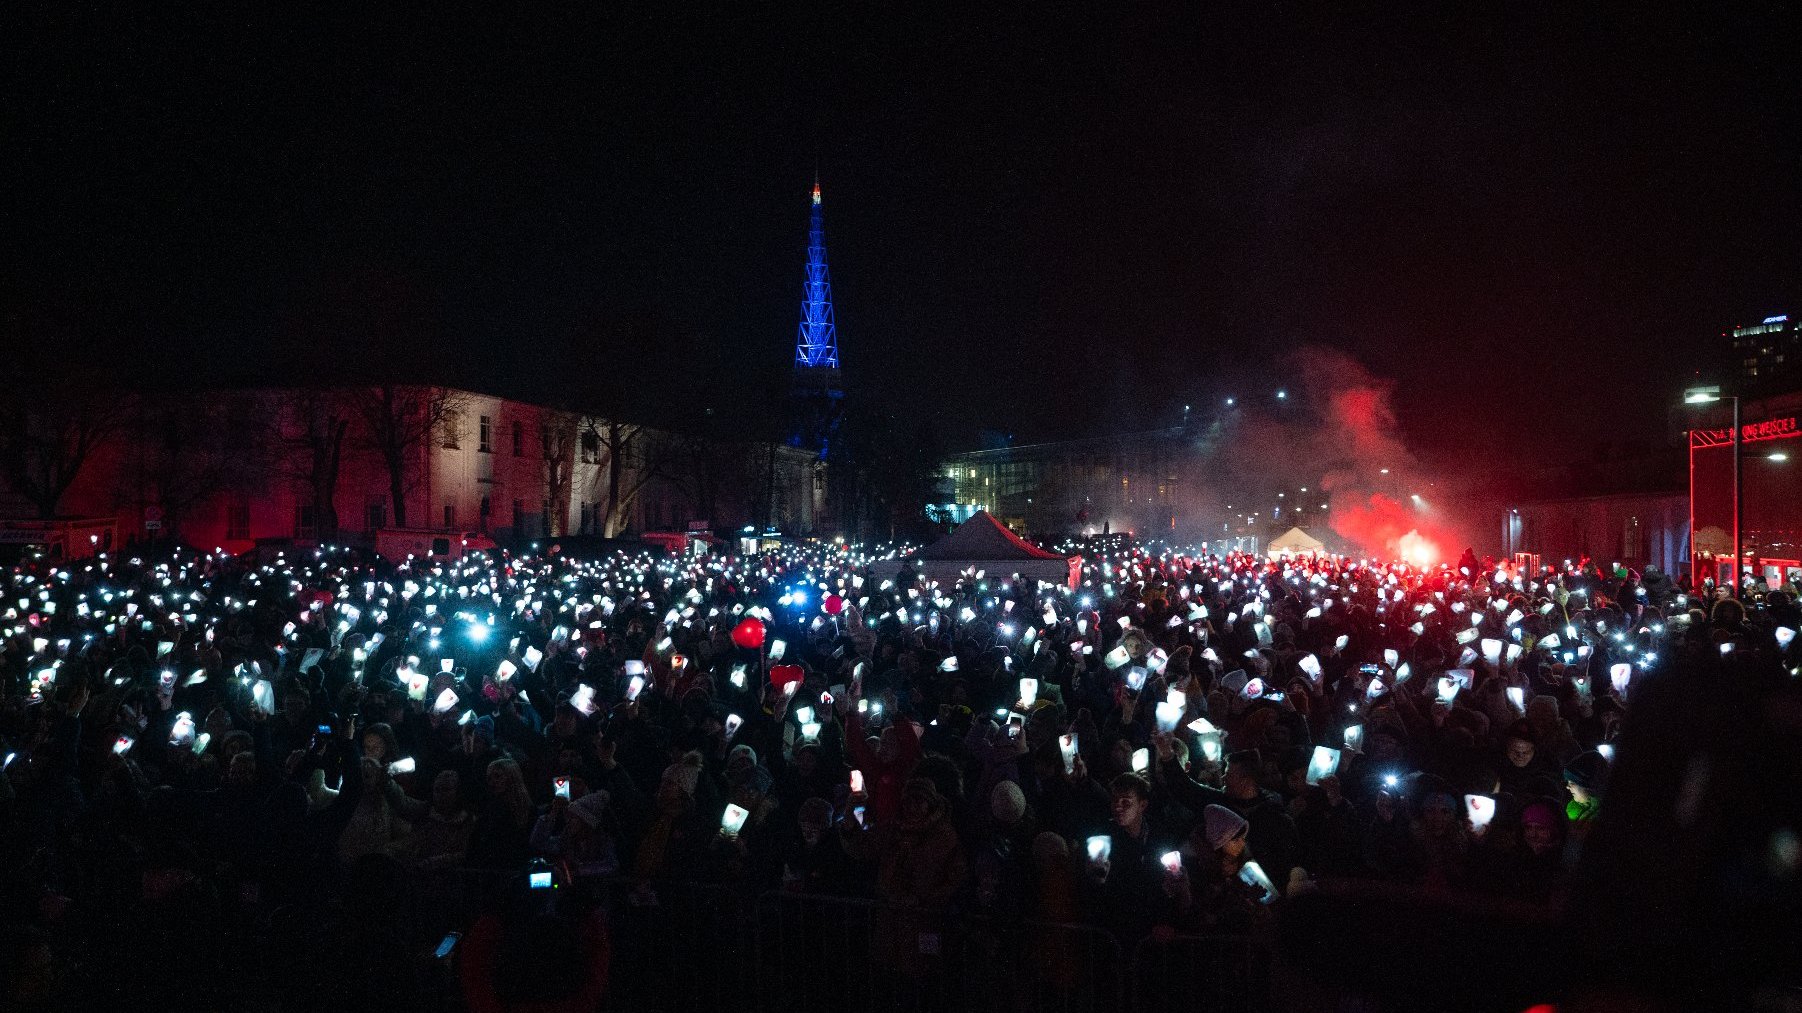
(1271,832)
(573,834)
(1520,760)
(998,853)
(1585,777)
(1007,805)
(1223,827)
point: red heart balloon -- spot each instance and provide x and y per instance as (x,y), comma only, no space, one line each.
(834,604)
(748,634)
(782,675)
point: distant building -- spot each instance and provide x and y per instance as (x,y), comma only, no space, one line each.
(1111,483)
(1767,356)
(227,468)
(1631,509)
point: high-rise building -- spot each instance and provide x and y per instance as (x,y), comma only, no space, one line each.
(817,389)
(1767,356)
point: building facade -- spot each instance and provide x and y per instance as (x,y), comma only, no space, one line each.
(228,468)
(1766,356)
(1111,484)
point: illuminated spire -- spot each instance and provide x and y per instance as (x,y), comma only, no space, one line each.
(816,341)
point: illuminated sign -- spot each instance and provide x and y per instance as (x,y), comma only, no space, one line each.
(1778,319)
(1751,432)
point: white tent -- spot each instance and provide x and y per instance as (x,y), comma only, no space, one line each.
(1294,542)
(984,543)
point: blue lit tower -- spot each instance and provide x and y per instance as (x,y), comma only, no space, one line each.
(816,386)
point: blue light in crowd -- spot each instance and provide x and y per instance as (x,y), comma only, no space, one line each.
(478,632)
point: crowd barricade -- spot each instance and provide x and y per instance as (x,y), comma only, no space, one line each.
(682,945)
(836,953)
(1027,965)
(1210,974)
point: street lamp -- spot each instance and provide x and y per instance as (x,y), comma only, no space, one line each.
(1708,395)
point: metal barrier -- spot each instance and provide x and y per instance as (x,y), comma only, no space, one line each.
(1038,966)
(679,945)
(836,953)
(1206,973)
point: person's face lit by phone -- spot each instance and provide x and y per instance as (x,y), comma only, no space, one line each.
(1129,811)
(1520,752)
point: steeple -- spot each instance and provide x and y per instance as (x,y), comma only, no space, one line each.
(816,341)
(817,395)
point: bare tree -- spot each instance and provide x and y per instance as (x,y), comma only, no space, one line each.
(309,426)
(561,430)
(397,421)
(188,452)
(46,439)
(635,455)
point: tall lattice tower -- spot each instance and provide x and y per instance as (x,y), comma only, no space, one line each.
(816,384)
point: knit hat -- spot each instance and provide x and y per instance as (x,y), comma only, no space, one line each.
(685,773)
(1588,771)
(1539,814)
(1007,803)
(589,808)
(1222,825)
(816,814)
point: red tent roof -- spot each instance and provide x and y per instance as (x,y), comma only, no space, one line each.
(984,538)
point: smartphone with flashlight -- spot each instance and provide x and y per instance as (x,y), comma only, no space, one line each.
(404,765)
(856,782)
(560,786)
(446,946)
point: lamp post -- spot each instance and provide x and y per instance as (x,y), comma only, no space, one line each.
(1708,395)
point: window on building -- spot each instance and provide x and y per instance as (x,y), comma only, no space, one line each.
(450,515)
(587,518)
(375,514)
(452,426)
(485,435)
(519,440)
(519,518)
(305,521)
(237,518)
(483,511)
(591,448)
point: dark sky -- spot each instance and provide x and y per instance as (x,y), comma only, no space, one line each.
(1041,220)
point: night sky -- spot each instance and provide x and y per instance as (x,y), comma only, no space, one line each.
(1049,222)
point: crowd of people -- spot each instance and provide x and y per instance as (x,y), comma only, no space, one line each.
(195,743)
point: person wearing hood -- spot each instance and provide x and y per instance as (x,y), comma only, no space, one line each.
(1272,833)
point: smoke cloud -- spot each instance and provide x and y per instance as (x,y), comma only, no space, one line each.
(1335,433)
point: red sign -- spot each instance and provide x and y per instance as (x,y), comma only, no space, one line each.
(1751,432)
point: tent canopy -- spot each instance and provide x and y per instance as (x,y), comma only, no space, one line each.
(983,537)
(984,543)
(1295,541)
